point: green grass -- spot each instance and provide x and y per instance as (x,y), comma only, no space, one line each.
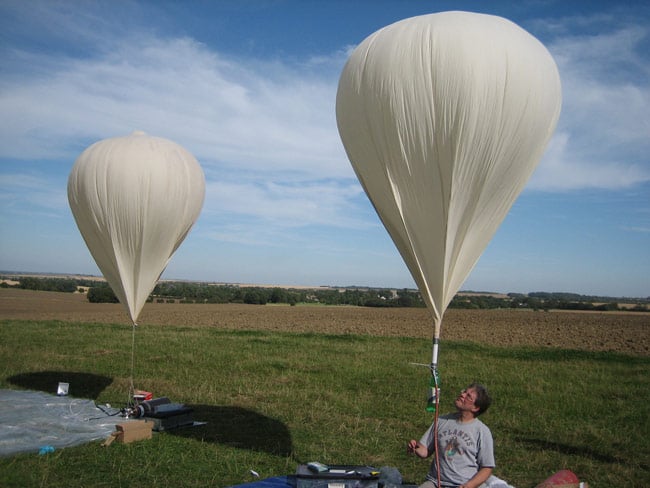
(274,400)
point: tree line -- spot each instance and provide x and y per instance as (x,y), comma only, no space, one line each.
(190,292)
(196,292)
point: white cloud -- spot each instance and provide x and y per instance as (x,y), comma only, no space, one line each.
(643,230)
(564,168)
(19,192)
(603,137)
(264,132)
(258,116)
(309,203)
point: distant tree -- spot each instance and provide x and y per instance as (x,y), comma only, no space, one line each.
(406,298)
(101,294)
(48,284)
(254,296)
(278,295)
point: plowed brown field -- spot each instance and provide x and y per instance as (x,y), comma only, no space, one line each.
(625,332)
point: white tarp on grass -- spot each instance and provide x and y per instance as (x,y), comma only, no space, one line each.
(30,420)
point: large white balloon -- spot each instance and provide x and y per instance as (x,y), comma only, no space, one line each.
(444,118)
(134,199)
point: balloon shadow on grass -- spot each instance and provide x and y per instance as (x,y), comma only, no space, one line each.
(81,385)
(238,427)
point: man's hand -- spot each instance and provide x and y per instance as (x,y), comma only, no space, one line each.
(414,447)
(411,446)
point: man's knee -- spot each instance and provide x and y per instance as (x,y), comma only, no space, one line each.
(427,484)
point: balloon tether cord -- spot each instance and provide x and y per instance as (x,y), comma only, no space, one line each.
(131,386)
(434,367)
(435,445)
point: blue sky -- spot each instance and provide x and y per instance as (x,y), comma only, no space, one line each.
(249,88)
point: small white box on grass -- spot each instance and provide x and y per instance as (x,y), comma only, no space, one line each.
(63,388)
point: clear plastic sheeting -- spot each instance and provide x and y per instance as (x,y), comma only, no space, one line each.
(31,420)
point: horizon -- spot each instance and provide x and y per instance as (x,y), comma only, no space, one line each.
(249,89)
(305,287)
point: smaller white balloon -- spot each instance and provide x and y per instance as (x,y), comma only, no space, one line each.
(135,199)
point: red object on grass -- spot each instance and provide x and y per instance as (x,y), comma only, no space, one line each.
(564,478)
(141,396)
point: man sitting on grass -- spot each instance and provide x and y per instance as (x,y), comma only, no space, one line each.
(465,446)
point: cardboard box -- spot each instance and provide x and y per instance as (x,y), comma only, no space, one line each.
(133,430)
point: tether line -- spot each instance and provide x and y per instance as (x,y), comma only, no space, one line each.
(131,386)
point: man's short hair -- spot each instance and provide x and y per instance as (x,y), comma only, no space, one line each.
(483,399)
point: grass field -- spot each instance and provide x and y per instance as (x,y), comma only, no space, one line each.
(275,398)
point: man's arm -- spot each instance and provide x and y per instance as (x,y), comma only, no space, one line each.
(480,477)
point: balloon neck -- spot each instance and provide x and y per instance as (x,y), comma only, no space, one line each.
(434,353)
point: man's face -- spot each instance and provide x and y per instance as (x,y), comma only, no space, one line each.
(467,400)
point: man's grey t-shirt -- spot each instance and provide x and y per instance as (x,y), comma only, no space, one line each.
(464,448)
